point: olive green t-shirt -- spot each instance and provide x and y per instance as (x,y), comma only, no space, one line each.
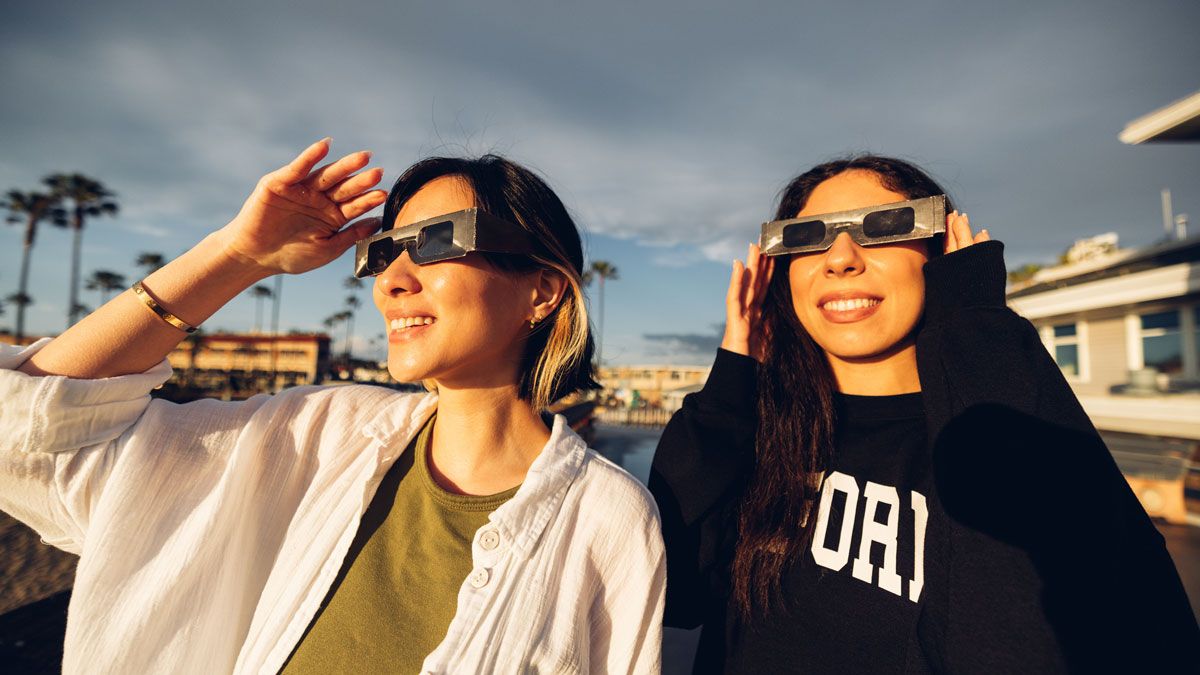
(396,594)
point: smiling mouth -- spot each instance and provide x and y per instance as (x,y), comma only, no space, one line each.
(409,322)
(849,310)
(850,305)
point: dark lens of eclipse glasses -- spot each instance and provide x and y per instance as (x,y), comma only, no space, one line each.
(380,254)
(436,242)
(889,223)
(807,233)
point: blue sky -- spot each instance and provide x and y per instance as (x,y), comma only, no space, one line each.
(667,128)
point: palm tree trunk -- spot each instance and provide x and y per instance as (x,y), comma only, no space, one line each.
(275,330)
(258,314)
(600,342)
(77,226)
(349,329)
(23,284)
(190,375)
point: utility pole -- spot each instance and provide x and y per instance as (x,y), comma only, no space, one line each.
(1168,213)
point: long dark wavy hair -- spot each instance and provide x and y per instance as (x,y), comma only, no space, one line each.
(795,434)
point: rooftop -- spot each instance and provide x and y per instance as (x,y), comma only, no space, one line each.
(1178,122)
(1115,263)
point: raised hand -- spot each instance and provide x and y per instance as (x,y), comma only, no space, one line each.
(958,232)
(743,304)
(296,218)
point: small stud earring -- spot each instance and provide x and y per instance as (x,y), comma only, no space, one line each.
(533,322)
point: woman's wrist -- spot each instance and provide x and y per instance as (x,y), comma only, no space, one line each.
(736,345)
(220,248)
(201,281)
(973,276)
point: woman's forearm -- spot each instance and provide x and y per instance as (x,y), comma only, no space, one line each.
(124,336)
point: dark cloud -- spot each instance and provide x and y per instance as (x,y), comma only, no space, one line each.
(684,345)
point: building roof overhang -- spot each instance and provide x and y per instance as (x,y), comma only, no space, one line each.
(1178,122)
(1118,263)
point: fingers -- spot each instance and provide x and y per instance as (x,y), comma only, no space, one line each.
(733,297)
(355,185)
(962,231)
(362,203)
(759,267)
(299,168)
(331,174)
(764,278)
(951,241)
(736,338)
(364,228)
(958,232)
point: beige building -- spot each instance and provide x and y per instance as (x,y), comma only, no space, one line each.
(10,339)
(301,358)
(214,358)
(1124,327)
(654,384)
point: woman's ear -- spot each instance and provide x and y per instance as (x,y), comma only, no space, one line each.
(549,286)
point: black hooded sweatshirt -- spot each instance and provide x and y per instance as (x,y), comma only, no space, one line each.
(977,526)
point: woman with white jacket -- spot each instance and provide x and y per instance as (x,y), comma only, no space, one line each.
(345,528)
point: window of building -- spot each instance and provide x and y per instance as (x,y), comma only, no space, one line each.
(1162,342)
(1066,348)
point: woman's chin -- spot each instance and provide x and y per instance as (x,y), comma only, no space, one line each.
(865,350)
(407,372)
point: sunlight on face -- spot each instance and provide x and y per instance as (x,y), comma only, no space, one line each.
(858,302)
(459,321)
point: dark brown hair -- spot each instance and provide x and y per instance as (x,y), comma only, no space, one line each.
(795,434)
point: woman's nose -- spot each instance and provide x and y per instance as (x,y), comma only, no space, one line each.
(844,257)
(399,277)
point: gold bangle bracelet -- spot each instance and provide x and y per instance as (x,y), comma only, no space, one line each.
(163,314)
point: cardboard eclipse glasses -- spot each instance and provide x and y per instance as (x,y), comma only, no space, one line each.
(445,237)
(879,224)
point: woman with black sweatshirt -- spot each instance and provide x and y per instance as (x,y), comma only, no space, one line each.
(886,472)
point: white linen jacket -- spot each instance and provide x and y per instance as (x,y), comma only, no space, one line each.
(210,532)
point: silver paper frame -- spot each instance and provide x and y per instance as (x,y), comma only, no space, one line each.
(929,219)
(474,230)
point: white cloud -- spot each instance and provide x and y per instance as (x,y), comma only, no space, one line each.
(146,229)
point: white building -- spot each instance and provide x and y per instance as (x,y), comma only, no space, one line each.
(1124,327)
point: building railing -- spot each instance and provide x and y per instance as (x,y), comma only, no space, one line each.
(642,417)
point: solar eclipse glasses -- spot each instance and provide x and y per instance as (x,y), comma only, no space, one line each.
(880,224)
(442,238)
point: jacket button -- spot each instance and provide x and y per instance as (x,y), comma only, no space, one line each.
(479,578)
(489,540)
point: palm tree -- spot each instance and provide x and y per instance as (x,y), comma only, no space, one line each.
(352,305)
(30,208)
(21,300)
(150,261)
(333,320)
(105,281)
(259,293)
(278,293)
(195,343)
(602,270)
(89,198)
